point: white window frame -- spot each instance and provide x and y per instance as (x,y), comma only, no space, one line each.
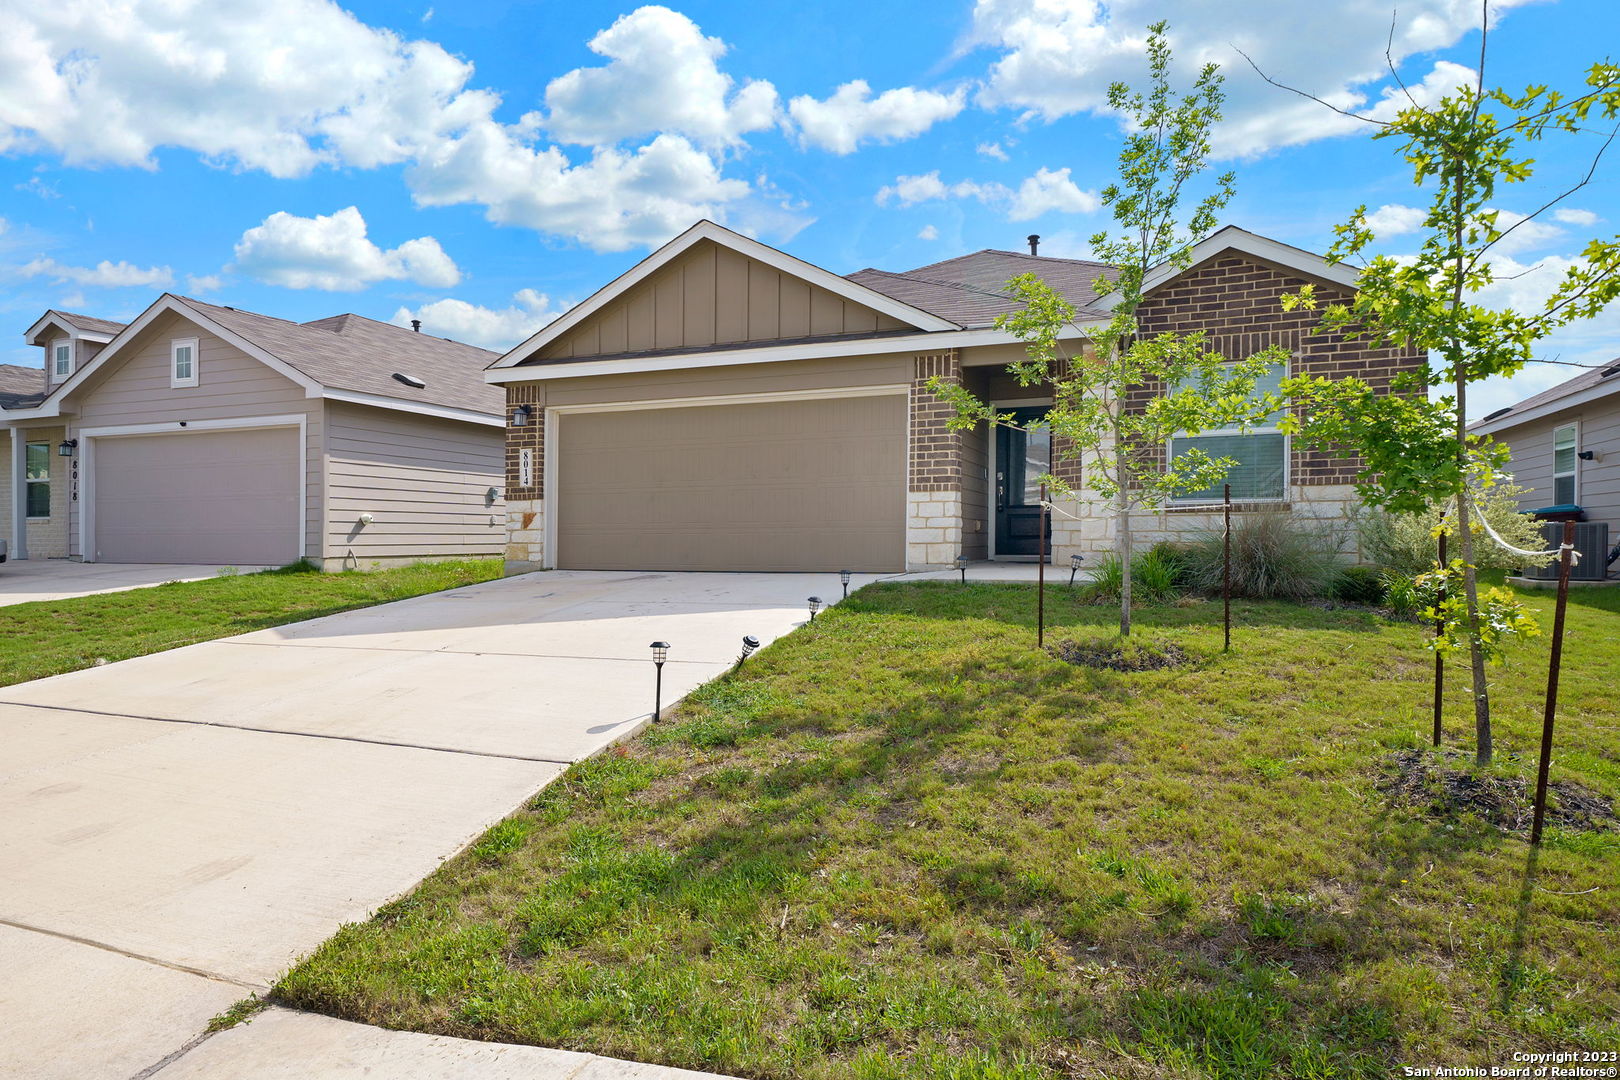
(56,374)
(1192,499)
(1574,473)
(175,379)
(47,479)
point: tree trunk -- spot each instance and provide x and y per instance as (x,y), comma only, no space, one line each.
(1465,534)
(1124,531)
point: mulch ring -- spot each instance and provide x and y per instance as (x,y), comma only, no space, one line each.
(1133,654)
(1418,780)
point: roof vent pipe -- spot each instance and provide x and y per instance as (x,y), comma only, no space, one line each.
(1034,243)
(416,326)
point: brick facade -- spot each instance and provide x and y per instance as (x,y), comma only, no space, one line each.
(530,437)
(1236,300)
(936,450)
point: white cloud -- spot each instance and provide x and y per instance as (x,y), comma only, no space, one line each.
(278,87)
(1392,219)
(103,275)
(1050,190)
(200,284)
(852,115)
(615,201)
(928,232)
(1571,216)
(491,328)
(662,77)
(991,150)
(332,252)
(1057,57)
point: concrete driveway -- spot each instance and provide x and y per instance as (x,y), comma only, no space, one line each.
(26,580)
(178,829)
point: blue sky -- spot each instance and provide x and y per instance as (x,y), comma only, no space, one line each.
(483,165)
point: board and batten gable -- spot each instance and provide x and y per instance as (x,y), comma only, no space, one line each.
(709,296)
(432,486)
(1597,481)
(134,389)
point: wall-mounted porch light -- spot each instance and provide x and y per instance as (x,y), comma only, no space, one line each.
(67,447)
(520,416)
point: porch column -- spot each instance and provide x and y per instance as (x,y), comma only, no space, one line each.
(934,475)
(19,495)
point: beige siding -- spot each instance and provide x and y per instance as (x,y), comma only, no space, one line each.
(48,538)
(134,389)
(426,482)
(714,296)
(785,376)
(1597,483)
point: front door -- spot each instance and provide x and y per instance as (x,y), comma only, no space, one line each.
(1022,458)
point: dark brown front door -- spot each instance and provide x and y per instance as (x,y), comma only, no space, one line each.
(1022,458)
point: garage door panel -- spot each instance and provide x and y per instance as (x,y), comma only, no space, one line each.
(800,485)
(200,497)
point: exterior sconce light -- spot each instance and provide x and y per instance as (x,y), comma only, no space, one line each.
(843,577)
(1587,455)
(961,567)
(67,447)
(750,643)
(815,606)
(520,416)
(1074,567)
(660,652)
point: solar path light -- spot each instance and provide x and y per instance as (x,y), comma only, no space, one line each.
(843,577)
(1074,567)
(750,643)
(961,567)
(815,606)
(660,653)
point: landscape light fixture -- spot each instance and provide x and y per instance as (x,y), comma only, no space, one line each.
(660,651)
(961,567)
(815,606)
(67,447)
(750,643)
(520,416)
(843,577)
(1074,567)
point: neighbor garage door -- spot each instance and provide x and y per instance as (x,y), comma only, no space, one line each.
(795,485)
(227,497)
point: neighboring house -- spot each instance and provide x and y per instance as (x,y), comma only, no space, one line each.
(726,406)
(1566,445)
(205,434)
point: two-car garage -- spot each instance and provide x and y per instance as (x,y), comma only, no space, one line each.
(806,483)
(229,497)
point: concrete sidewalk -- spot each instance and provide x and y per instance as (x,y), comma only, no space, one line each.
(178,829)
(27,580)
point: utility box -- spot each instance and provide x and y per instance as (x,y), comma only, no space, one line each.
(1591,540)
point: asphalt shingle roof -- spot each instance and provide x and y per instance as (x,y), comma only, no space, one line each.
(351,352)
(21,387)
(970,290)
(90,322)
(1608,373)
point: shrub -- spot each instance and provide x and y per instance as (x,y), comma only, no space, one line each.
(1406,598)
(1360,585)
(1274,557)
(1156,577)
(1406,543)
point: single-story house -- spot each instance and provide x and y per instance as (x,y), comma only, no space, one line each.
(205,434)
(1565,444)
(724,405)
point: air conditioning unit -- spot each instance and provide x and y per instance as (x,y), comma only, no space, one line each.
(1591,540)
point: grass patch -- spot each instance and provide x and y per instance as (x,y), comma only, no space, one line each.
(50,637)
(904,842)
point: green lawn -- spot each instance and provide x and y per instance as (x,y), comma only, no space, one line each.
(53,636)
(904,843)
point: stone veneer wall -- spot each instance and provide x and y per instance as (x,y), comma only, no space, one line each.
(525,503)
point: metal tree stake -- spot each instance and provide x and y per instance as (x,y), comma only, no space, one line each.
(1439,657)
(1566,552)
(1040,574)
(1226,568)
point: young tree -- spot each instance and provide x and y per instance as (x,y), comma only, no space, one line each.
(1417,452)
(1095,371)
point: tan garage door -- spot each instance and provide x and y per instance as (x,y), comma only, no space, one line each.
(227,497)
(797,485)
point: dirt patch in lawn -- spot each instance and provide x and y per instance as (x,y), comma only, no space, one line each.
(1418,780)
(1114,654)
